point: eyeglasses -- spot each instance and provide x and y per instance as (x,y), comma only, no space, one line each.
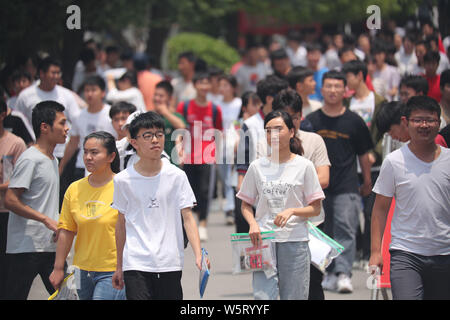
(148,136)
(418,121)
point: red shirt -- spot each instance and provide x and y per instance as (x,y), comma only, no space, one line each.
(434,90)
(202,147)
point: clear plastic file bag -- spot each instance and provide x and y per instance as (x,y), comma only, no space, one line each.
(68,288)
(249,258)
(323,248)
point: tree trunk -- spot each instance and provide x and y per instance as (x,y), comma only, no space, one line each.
(72,46)
(158,32)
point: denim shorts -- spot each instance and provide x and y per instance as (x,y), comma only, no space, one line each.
(292,279)
(98,286)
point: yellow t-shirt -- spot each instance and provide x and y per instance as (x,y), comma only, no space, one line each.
(87,212)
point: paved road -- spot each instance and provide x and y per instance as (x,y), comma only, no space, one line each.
(223,285)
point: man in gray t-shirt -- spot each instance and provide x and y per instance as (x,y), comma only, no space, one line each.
(33,200)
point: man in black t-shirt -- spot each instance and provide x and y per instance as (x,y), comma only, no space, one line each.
(445,133)
(347,138)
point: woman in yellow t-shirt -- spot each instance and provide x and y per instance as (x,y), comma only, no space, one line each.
(86,213)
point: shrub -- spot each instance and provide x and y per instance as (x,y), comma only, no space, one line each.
(215,52)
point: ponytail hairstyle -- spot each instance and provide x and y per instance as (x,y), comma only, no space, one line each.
(109,143)
(295,144)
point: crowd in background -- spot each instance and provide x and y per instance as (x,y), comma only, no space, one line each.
(110,85)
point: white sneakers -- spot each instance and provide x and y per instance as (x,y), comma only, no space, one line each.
(341,283)
(344,284)
(202,233)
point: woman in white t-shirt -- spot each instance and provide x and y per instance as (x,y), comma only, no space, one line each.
(231,107)
(285,190)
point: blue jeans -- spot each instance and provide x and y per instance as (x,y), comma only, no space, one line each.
(98,286)
(225,175)
(341,223)
(292,279)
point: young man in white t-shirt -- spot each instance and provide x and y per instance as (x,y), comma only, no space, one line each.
(152,196)
(417,175)
(94,118)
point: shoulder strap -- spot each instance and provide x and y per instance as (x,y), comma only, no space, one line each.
(185,109)
(214,114)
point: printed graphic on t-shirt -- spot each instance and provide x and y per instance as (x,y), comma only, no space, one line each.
(332,134)
(154,203)
(276,194)
(93,209)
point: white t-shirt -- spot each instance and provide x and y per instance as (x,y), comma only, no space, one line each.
(152,209)
(421,220)
(272,188)
(32,95)
(230,111)
(364,107)
(132,95)
(406,63)
(87,123)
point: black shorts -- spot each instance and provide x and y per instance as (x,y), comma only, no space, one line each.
(140,285)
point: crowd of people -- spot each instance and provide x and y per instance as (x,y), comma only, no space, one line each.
(292,133)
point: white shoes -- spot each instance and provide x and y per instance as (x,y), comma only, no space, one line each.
(329,282)
(202,233)
(344,284)
(341,283)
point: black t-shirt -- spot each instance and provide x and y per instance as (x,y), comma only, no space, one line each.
(346,137)
(15,125)
(445,133)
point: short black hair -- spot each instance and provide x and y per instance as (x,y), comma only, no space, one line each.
(87,55)
(418,83)
(19,74)
(390,113)
(200,76)
(230,79)
(333,74)
(120,107)
(278,55)
(313,47)
(146,120)
(287,98)
(166,85)
(189,55)
(345,49)
(270,86)
(355,66)
(445,78)
(131,76)
(422,103)
(247,96)
(45,63)
(45,112)
(95,80)
(431,56)
(298,74)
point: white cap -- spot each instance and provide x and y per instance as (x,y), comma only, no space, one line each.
(130,118)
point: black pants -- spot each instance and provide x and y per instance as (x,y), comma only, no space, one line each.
(140,285)
(3,261)
(23,269)
(67,177)
(239,221)
(198,176)
(417,277)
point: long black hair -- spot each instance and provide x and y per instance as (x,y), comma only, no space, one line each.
(295,144)
(109,143)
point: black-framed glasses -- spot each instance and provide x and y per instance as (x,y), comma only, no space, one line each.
(427,121)
(148,136)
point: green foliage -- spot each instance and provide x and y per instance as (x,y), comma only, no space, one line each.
(215,52)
